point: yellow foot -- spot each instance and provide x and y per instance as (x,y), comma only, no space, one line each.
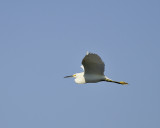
(122,82)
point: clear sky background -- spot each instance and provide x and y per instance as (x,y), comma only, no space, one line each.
(42,41)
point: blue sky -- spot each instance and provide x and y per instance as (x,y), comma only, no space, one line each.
(42,41)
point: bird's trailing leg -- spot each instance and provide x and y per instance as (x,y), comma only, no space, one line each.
(121,82)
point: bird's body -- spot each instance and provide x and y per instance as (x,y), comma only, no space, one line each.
(93,67)
(82,78)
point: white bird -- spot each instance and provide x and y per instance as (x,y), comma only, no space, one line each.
(93,67)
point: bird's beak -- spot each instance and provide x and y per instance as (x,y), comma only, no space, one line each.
(68,76)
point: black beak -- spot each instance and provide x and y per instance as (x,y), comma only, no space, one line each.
(68,76)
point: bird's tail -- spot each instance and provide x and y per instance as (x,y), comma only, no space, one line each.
(121,82)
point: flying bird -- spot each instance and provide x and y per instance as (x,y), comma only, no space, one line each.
(93,68)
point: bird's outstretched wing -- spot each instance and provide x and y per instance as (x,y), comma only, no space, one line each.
(93,64)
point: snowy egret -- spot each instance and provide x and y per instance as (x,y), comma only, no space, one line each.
(93,67)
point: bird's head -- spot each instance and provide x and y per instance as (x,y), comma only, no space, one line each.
(79,78)
(76,75)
